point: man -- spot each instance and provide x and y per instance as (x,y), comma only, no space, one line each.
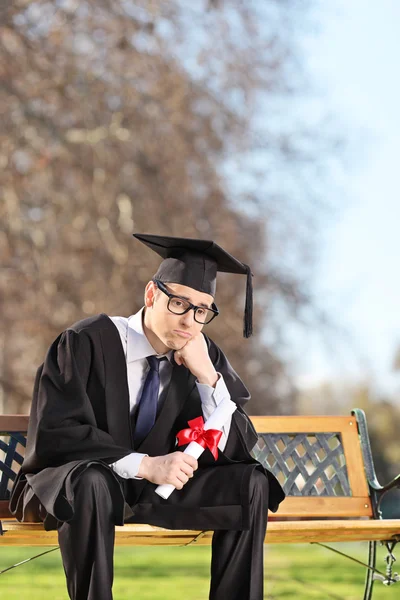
(108,403)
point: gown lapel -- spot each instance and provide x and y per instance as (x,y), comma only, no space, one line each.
(116,387)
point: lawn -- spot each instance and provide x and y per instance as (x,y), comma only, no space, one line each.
(301,572)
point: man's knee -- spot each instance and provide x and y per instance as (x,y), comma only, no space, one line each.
(94,482)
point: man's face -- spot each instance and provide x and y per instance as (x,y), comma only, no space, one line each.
(174,331)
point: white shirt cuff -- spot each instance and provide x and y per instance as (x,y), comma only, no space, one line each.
(128,466)
(210,398)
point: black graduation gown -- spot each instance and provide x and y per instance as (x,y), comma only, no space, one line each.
(80,416)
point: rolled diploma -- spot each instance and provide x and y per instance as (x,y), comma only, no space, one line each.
(216,421)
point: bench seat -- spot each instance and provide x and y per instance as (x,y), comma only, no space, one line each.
(279,532)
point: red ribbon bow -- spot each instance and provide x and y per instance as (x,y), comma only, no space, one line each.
(208,438)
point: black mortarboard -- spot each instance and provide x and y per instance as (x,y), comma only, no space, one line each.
(195,263)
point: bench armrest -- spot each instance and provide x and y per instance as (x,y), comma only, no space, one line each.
(377,490)
(395,483)
(380,492)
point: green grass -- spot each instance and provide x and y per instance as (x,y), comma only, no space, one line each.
(301,572)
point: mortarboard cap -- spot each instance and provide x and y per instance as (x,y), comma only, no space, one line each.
(195,263)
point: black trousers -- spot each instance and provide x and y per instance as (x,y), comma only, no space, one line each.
(87,544)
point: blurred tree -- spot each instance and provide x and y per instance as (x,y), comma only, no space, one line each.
(158,116)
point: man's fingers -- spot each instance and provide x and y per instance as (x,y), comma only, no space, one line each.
(187,469)
(176,468)
(179,359)
(182,478)
(190,460)
(186,464)
(181,458)
(177,479)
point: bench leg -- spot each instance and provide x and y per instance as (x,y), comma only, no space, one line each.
(369,578)
(389,578)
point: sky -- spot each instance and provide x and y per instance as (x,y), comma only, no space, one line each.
(353,61)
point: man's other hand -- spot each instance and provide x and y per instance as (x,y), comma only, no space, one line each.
(194,355)
(175,468)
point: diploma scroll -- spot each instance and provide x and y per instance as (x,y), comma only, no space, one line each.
(216,421)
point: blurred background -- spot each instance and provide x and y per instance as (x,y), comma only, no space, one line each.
(269,126)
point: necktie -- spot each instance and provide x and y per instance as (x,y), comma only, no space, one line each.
(147,410)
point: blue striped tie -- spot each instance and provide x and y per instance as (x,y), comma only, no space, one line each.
(148,402)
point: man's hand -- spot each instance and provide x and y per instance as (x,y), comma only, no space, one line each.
(194,356)
(176,468)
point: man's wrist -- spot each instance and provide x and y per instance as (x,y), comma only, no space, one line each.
(210,378)
(142,472)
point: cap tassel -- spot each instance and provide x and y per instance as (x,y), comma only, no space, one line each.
(248,310)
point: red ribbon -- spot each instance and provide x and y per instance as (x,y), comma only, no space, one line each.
(196,433)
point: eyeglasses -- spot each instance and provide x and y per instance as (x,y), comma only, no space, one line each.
(180,306)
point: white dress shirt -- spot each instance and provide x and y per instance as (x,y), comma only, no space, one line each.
(136,348)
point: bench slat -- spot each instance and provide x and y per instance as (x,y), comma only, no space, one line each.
(325,506)
(354,460)
(302,424)
(297,506)
(12,423)
(278,532)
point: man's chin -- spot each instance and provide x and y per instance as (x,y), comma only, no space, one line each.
(175,344)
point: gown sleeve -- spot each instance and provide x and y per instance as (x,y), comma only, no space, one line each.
(63,425)
(239,394)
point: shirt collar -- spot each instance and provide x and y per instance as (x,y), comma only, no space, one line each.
(137,344)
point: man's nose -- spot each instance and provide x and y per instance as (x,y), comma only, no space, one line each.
(188,318)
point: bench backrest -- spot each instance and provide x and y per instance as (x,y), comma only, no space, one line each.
(317,460)
(319,463)
(12,449)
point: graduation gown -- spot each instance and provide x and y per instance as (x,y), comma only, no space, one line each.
(80,416)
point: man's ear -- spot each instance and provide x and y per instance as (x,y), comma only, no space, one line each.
(149,294)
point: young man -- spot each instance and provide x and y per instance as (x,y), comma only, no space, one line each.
(108,403)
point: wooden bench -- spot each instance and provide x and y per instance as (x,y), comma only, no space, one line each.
(324,464)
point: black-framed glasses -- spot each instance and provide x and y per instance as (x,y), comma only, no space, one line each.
(180,306)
